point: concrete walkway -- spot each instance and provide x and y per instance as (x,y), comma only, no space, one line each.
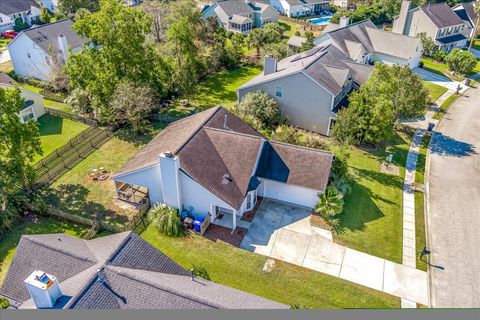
(282,231)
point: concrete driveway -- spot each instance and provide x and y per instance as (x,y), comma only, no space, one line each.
(282,231)
(453,211)
(439,80)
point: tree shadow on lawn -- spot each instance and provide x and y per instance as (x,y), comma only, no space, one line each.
(140,139)
(72,198)
(50,125)
(444,145)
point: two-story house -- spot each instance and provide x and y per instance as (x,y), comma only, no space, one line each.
(28,11)
(310,86)
(466,12)
(241,15)
(300,8)
(436,20)
(33,50)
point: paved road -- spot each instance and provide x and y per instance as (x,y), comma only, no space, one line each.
(454,206)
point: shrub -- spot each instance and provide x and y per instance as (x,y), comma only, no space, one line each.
(4,304)
(167,220)
(329,205)
(286,134)
(461,61)
(439,55)
(311,140)
(201,272)
(261,106)
(80,100)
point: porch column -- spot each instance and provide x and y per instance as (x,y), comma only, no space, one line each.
(234,225)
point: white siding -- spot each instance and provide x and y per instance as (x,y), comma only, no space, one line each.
(28,59)
(149,178)
(196,196)
(37,101)
(288,193)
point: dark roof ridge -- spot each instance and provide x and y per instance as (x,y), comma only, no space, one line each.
(119,248)
(120,271)
(234,132)
(45,25)
(197,130)
(301,147)
(76,256)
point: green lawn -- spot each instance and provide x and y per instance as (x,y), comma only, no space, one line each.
(444,107)
(55,132)
(420,239)
(435,90)
(4,42)
(422,157)
(219,88)
(442,69)
(9,241)
(372,218)
(290,28)
(287,283)
(75,192)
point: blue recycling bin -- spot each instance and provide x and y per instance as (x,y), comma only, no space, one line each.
(197,224)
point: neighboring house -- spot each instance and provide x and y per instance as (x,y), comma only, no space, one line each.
(466,12)
(365,43)
(436,20)
(343,3)
(26,10)
(295,42)
(300,8)
(51,5)
(30,50)
(241,15)
(215,165)
(131,3)
(120,271)
(310,86)
(34,107)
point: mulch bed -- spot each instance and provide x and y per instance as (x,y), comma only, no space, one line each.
(248,217)
(219,233)
(317,221)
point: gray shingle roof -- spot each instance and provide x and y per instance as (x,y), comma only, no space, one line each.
(238,7)
(9,7)
(136,276)
(441,14)
(47,35)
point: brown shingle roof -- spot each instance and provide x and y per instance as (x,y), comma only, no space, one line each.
(441,15)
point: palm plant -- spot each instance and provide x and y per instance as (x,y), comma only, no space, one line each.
(329,205)
(167,220)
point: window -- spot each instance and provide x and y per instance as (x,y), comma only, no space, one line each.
(27,114)
(279,91)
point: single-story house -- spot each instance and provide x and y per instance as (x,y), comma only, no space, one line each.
(34,107)
(120,271)
(28,11)
(437,20)
(310,86)
(365,43)
(241,15)
(30,50)
(300,8)
(214,164)
(466,12)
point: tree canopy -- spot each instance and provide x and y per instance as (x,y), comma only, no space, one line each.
(461,61)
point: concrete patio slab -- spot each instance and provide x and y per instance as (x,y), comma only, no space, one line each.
(324,256)
(363,269)
(290,246)
(406,282)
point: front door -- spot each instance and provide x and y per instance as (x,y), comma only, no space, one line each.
(251,200)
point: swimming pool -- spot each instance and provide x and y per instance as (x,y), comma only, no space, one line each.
(321,21)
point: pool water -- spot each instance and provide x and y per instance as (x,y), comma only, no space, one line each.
(321,21)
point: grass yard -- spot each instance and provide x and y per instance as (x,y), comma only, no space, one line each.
(219,88)
(75,192)
(9,241)
(435,90)
(444,107)
(285,283)
(372,217)
(420,239)
(55,132)
(442,69)
(422,158)
(50,103)
(4,42)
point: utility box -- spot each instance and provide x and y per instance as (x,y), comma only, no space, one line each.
(43,288)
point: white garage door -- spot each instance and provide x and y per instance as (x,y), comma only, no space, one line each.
(290,193)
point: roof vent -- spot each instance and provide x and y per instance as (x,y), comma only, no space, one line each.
(43,289)
(226,179)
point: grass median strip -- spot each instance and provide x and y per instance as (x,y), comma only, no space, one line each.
(420,239)
(444,107)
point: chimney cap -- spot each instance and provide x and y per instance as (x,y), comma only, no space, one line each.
(40,279)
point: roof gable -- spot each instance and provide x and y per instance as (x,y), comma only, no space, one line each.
(441,15)
(9,7)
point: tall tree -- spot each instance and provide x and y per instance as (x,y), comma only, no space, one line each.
(159,11)
(309,43)
(476,9)
(70,7)
(460,61)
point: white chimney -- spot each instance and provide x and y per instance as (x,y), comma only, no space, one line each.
(169,172)
(344,21)
(63,46)
(269,65)
(43,289)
